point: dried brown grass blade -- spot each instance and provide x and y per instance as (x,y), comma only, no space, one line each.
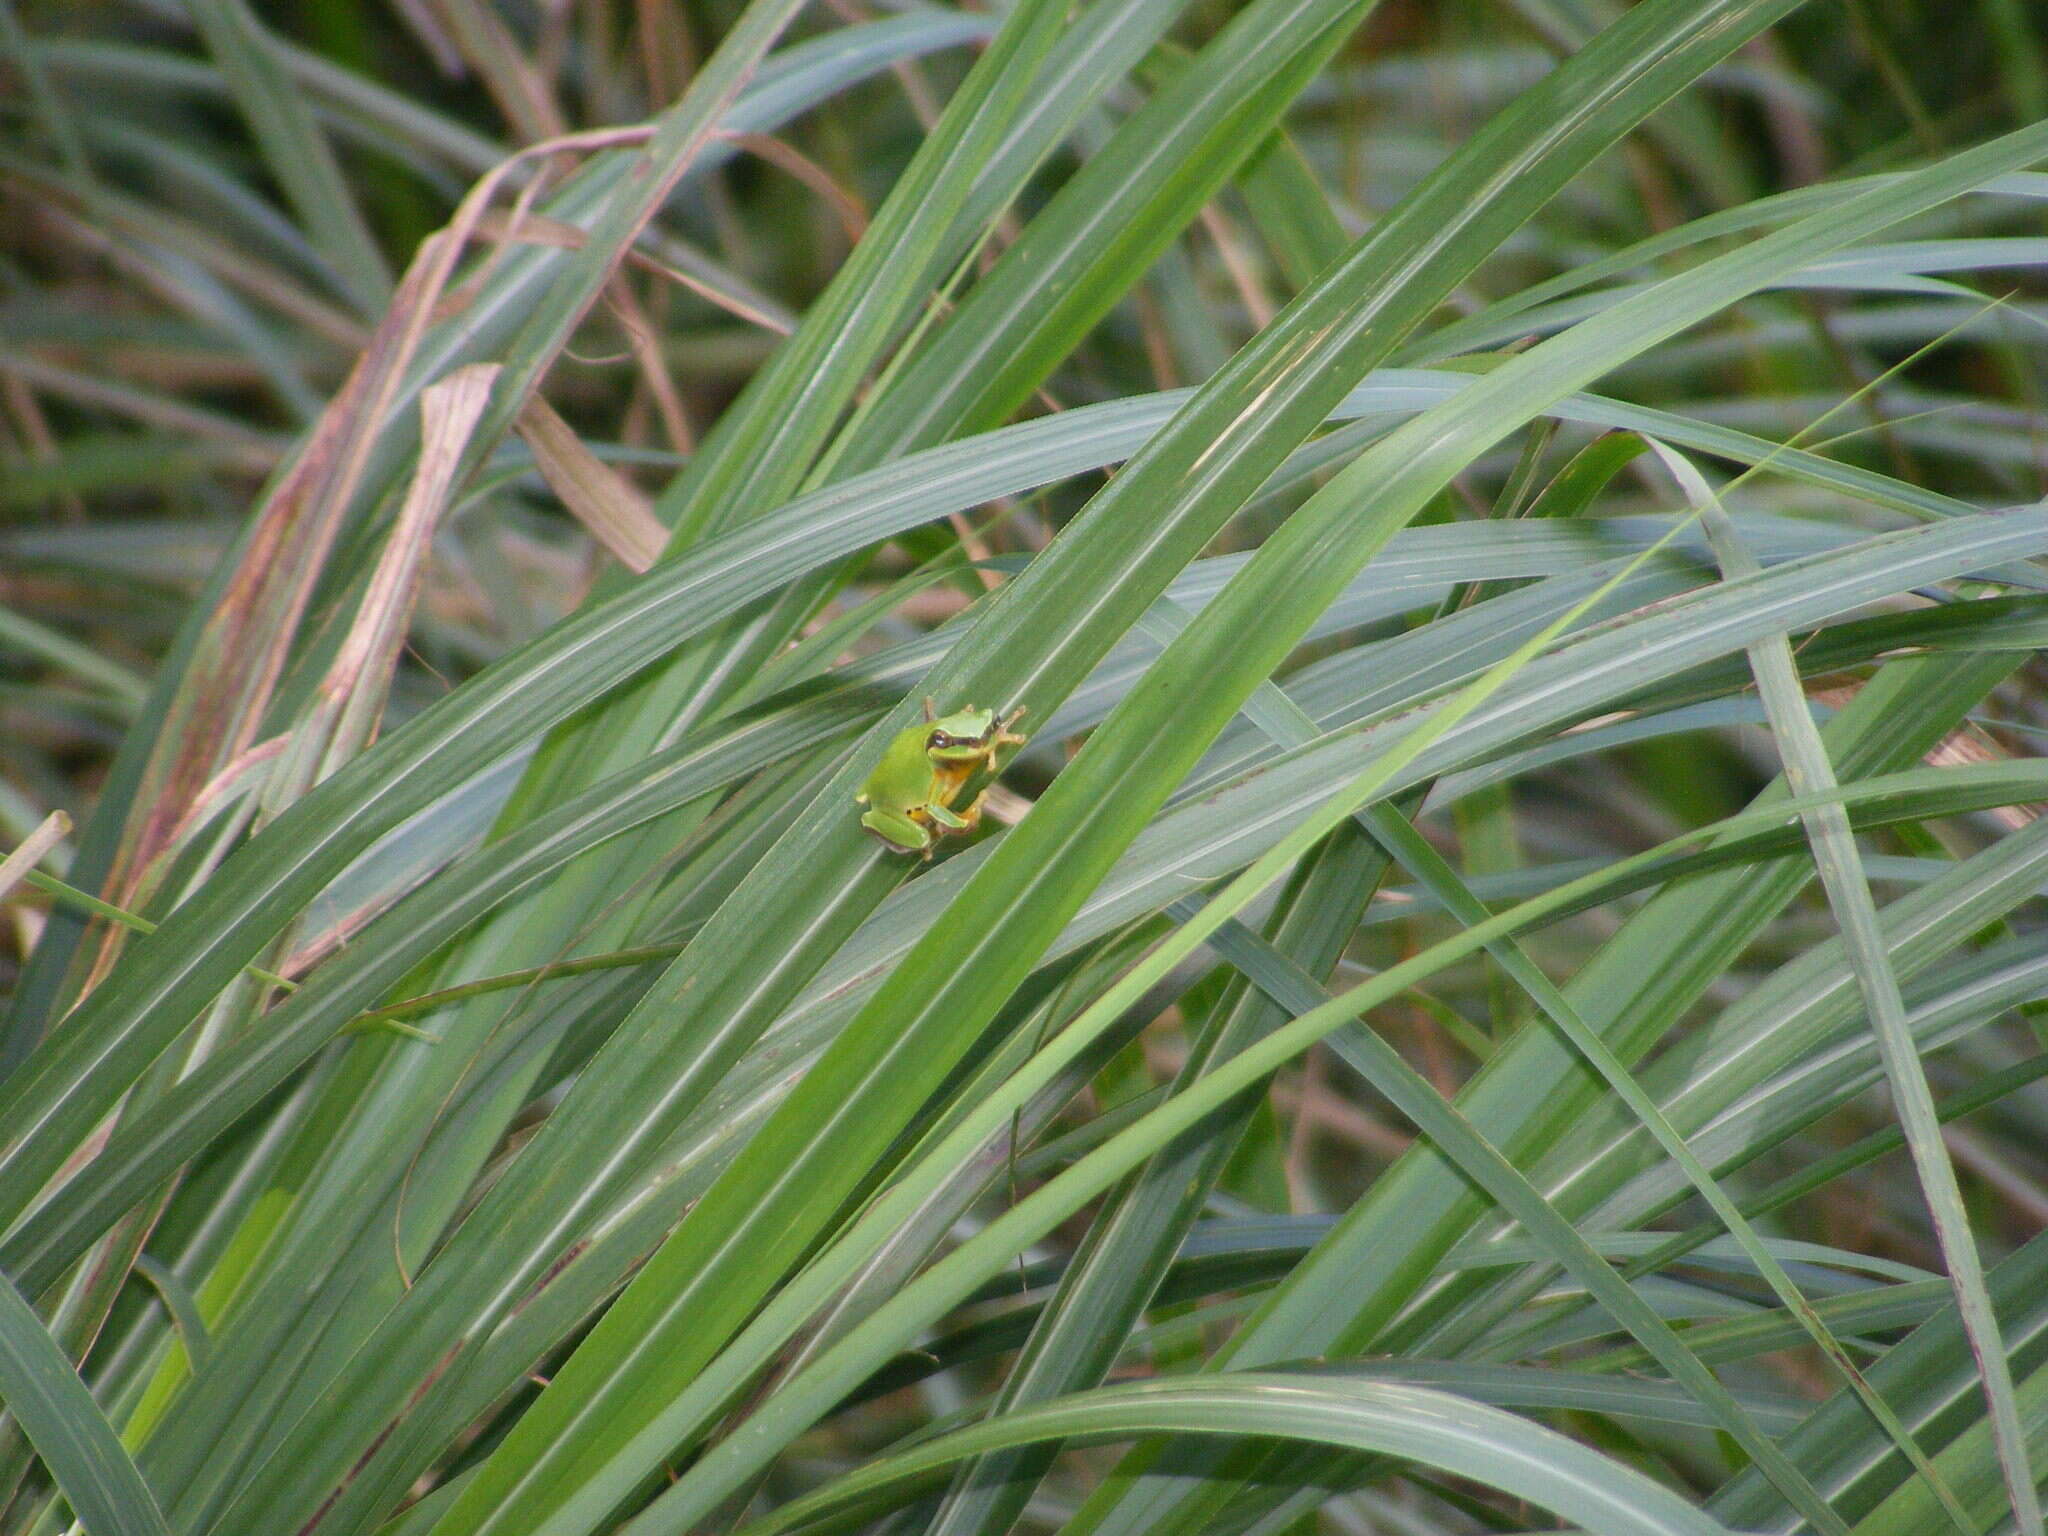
(604,501)
(16,866)
(359,681)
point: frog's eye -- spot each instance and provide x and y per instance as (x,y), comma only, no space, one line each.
(939,742)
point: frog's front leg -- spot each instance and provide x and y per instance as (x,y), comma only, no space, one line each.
(899,831)
(961,821)
(952,820)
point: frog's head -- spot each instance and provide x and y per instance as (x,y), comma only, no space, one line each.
(963,736)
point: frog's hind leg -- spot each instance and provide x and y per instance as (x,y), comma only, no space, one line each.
(905,834)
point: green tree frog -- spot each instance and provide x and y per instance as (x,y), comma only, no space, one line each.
(909,795)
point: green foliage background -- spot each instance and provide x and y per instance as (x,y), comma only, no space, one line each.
(1503,991)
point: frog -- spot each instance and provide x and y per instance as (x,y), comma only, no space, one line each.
(910,792)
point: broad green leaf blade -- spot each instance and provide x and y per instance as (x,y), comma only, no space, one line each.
(1412,1423)
(84,1455)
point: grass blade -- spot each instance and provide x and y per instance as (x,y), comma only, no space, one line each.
(66,1427)
(1809,771)
(294,148)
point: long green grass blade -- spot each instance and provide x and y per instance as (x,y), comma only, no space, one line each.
(69,1432)
(1808,770)
(1413,1423)
(294,148)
